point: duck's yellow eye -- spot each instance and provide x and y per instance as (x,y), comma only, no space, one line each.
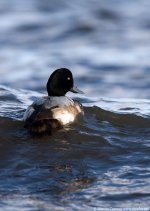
(68,78)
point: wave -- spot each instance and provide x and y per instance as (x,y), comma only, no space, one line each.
(118,112)
(102,156)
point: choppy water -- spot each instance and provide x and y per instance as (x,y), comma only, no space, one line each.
(103,160)
(99,162)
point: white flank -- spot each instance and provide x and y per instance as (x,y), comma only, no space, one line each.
(64,117)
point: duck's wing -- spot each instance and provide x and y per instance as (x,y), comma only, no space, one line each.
(64,115)
(33,109)
(31,113)
(41,120)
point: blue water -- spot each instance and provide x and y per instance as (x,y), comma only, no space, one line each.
(103,160)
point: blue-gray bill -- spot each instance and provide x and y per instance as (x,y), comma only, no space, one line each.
(76,90)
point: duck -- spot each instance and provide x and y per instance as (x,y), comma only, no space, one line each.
(55,110)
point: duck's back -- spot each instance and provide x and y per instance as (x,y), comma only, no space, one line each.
(48,113)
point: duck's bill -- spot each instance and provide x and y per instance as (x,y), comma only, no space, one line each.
(76,90)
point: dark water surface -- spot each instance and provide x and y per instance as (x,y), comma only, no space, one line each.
(103,160)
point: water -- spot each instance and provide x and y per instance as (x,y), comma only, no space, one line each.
(103,160)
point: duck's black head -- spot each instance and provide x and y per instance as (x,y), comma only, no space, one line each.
(60,82)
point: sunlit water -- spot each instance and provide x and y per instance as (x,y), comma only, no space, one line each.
(103,159)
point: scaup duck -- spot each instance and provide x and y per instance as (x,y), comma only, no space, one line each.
(56,109)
